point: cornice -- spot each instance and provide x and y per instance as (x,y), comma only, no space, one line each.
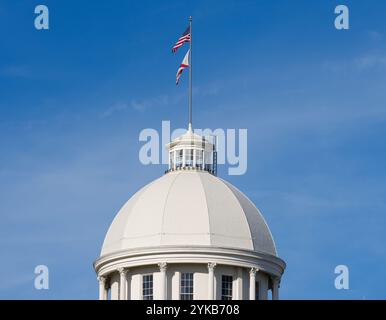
(189,254)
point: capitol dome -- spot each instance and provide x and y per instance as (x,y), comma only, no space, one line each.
(189,208)
(189,235)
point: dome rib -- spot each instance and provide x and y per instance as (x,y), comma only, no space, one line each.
(121,220)
(225,215)
(242,209)
(260,216)
(165,204)
(207,210)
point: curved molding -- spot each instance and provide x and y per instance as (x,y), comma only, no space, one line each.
(188,254)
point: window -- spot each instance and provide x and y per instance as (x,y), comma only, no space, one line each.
(147,287)
(186,288)
(189,157)
(179,158)
(257,286)
(198,158)
(208,161)
(226,287)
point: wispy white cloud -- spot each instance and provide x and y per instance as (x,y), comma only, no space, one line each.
(314,203)
(142,105)
(370,61)
(364,62)
(375,35)
(18,279)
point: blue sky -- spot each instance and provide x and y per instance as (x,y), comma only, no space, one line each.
(74,98)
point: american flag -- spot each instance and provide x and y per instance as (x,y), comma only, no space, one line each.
(184,38)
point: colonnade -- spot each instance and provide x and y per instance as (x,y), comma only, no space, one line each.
(104,284)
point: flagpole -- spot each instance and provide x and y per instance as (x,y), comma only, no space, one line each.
(190,75)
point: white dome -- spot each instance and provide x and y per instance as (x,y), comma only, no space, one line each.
(189,208)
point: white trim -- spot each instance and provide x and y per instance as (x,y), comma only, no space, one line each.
(172,254)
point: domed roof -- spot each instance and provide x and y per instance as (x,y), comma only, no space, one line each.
(190,138)
(189,208)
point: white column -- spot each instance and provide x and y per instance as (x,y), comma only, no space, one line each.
(175,159)
(211,266)
(275,288)
(203,159)
(194,157)
(122,283)
(183,157)
(176,286)
(102,288)
(162,268)
(114,286)
(239,284)
(252,283)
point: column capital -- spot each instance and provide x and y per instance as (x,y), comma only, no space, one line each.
(211,289)
(102,287)
(252,271)
(211,266)
(276,281)
(123,271)
(162,266)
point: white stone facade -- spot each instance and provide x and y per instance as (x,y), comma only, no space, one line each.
(253,275)
(127,285)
